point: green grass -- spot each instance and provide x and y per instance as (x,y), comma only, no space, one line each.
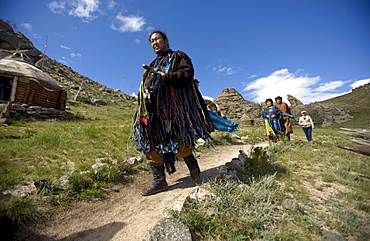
(48,150)
(36,150)
(330,184)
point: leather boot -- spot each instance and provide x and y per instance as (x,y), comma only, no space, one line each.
(159,183)
(193,166)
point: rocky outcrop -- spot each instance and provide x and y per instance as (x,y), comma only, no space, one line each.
(15,45)
(234,106)
(294,101)
(323,114)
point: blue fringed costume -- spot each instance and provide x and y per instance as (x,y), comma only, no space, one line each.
(274,126)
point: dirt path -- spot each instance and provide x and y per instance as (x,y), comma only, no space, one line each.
(126,215)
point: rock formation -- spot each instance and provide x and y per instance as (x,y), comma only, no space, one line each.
(234,106)
(294,101)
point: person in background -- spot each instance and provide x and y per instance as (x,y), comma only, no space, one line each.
(306,122)
(172,114)
(286,110)
(273,121)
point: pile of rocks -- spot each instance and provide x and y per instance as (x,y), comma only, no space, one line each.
(24,111)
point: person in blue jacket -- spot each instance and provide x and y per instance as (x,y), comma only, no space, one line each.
(273,121)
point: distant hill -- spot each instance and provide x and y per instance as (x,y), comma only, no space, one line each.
(357,98)
(356,103)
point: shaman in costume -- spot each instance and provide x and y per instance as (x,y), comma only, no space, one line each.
(171,114)
(273,121)
(286,112)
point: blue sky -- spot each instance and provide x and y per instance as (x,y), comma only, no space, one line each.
(313,50)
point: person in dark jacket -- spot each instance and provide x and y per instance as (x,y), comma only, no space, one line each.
(171,115)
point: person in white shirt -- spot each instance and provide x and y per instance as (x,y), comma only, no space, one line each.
(306,122)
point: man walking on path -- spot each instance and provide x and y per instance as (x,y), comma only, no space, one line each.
(171,114)
(286,109)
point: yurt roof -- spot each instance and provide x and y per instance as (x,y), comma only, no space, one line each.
(18,68)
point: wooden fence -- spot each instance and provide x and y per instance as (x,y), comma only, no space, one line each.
(363,144)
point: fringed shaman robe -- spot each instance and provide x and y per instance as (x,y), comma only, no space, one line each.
(274,126)
(170,110)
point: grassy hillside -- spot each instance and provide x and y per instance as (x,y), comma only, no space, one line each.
(356,99)
(357,104)
(50,149)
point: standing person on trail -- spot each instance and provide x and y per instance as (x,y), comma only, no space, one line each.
(286,110)
(171,114)
(306,122)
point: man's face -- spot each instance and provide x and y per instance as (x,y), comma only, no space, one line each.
(159,44)
(278,101)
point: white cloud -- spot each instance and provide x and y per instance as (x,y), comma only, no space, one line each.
(74,55)
(71,54)
(65,47)
(137,41)
(330,86)
(84,9)
(150,29)
(224,69)
(301,86)
(111,4)
(57,7)
(360,82)
(252,76)
(128,23)
(27,26)
(35,35)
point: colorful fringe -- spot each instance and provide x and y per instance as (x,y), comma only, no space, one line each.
(173,113)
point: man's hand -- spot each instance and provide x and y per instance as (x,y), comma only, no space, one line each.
(162,75)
